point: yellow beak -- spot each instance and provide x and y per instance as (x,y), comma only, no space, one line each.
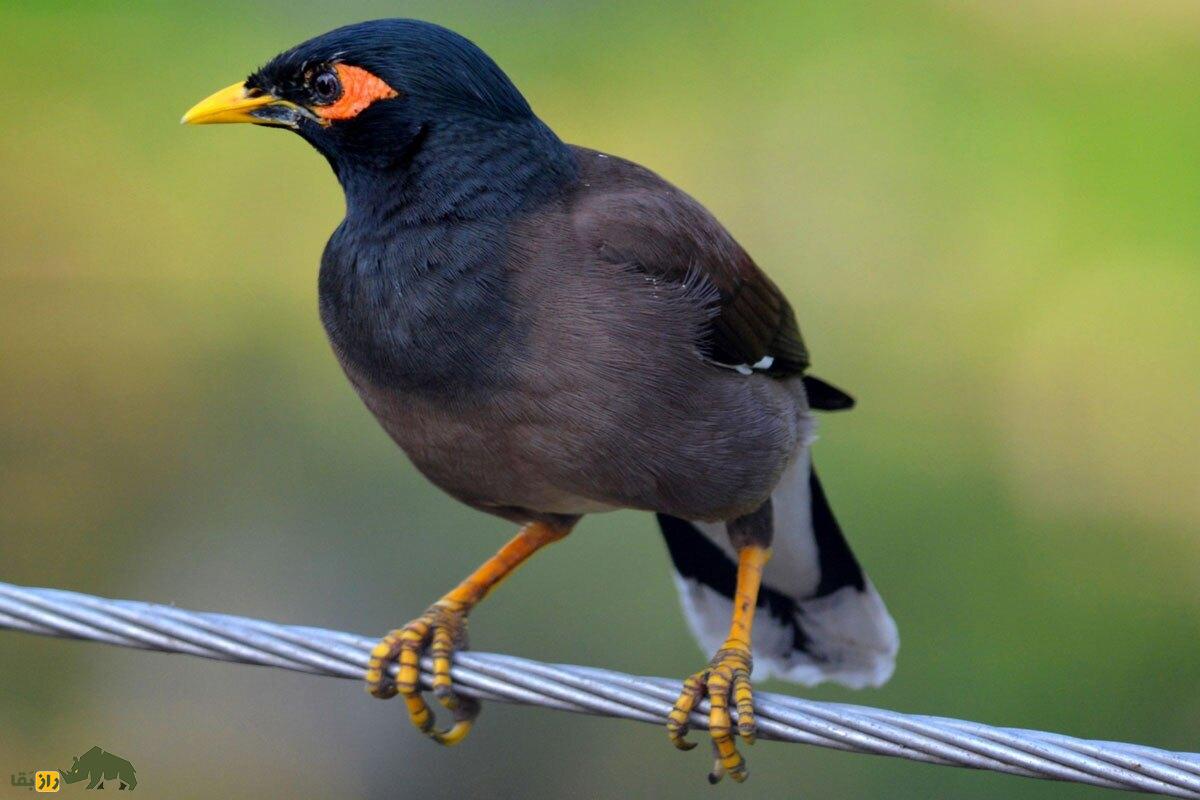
(235,104)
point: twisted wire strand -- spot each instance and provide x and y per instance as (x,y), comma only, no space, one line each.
(587,690)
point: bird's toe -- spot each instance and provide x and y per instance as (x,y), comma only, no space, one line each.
(441,630)
(725,680)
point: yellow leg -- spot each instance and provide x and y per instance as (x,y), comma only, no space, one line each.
(728,674)
(443,628)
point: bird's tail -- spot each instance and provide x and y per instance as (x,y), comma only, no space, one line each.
(819,617)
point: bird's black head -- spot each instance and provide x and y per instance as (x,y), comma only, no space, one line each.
(371,96)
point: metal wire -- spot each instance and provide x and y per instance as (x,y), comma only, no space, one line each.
(488,676)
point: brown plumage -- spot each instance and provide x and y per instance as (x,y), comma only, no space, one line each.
(620,288)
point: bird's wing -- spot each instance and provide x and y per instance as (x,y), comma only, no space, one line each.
(630,216)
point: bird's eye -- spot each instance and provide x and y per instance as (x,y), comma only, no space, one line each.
(327,87)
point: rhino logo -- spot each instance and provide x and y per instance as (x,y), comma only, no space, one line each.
(98,766)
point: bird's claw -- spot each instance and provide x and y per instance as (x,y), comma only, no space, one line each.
(442,629)
(726,676)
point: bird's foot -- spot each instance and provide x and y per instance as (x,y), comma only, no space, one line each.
(443,629)
(726,676)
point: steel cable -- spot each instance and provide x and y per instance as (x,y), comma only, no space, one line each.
(489,676)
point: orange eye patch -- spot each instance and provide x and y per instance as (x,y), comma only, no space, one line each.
(359,89)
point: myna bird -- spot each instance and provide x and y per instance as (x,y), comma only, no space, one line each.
(549,331)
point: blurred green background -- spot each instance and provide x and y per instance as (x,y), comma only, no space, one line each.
(985,213)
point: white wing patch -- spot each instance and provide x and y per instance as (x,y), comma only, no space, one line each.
(763,363)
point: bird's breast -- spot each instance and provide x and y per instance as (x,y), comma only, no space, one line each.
(423,311)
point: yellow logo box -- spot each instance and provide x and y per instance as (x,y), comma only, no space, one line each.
(47,781)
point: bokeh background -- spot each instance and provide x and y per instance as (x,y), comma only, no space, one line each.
(985,213)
